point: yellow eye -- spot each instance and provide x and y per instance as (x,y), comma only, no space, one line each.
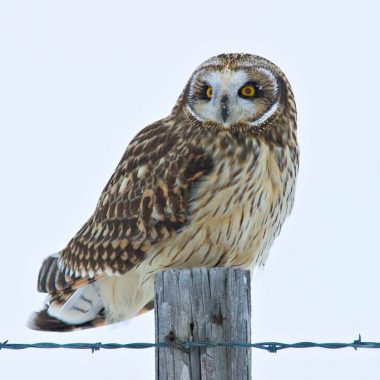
(247,91)
(209,92)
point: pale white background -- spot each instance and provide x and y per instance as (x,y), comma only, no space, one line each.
(78,79)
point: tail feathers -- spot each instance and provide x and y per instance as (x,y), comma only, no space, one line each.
(76,309)
(42,321)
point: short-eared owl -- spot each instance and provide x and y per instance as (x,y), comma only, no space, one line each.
(209,185)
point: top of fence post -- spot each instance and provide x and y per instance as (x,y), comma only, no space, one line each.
(204,305)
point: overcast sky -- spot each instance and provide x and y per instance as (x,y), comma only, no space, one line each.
(74,78)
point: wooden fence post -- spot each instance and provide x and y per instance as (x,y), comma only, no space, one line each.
(212,305)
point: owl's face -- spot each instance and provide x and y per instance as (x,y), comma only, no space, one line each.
(235,90)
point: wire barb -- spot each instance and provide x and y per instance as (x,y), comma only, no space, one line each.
(96,347)
(2,345)
(357,342)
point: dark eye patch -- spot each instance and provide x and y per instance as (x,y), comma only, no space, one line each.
(205,91)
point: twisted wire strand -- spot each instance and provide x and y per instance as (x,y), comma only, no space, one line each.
(272,347)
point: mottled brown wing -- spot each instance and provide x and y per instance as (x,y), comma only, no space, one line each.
(145,201)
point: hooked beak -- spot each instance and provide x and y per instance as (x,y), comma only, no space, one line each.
(225,110)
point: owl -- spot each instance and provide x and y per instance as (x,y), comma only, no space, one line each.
(208,186)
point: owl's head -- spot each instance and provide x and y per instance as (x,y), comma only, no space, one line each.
(233,91)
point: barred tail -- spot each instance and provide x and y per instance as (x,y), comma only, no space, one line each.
(75,310)
(71,304)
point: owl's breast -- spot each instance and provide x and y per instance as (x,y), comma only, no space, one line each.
(236,212)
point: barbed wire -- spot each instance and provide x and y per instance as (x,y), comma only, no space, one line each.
(272,347)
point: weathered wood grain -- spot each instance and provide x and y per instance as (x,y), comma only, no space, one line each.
(203,305)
